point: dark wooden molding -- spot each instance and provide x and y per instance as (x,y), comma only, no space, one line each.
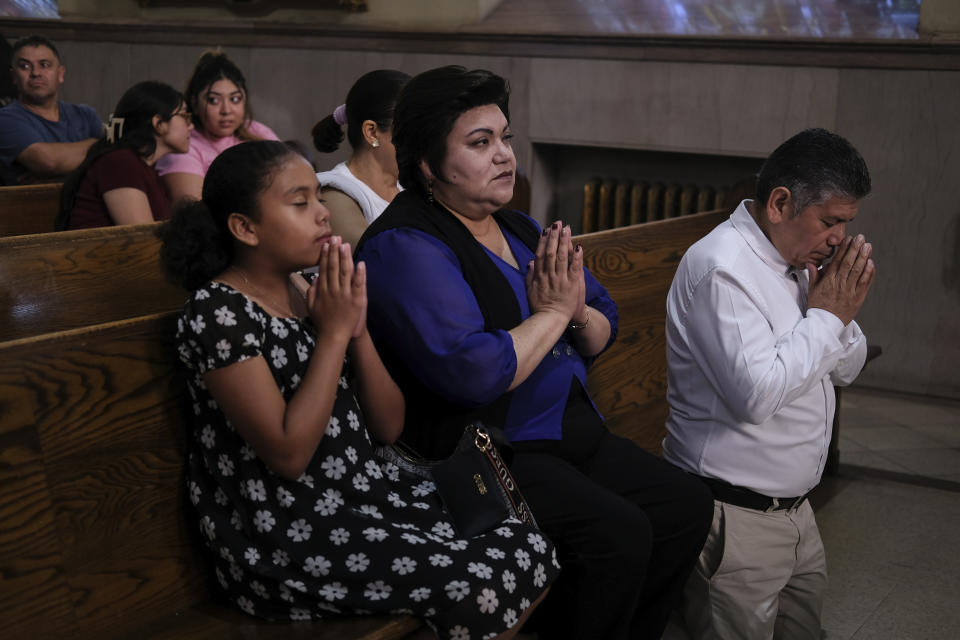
(922,53)
(259,7)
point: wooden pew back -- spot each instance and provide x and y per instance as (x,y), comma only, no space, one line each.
(93,418)
(53,282)
(93,534)
(637,264)
(29,209)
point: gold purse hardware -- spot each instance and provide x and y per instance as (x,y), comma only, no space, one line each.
(482,440)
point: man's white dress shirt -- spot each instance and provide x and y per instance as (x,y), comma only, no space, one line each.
(750,369)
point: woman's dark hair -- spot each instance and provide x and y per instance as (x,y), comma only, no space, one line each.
(372,97)
(212,67)
(815,165)
(137,108)
(427,109)
(197,244)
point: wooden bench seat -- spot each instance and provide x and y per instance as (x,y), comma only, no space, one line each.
(56,281)
(29,209)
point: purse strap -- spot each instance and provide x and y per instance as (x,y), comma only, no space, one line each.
(483,441)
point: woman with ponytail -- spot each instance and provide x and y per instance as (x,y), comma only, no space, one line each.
(358,190)
(301,519)
(217,96)
(117,182)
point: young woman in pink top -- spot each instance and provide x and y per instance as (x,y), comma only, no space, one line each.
(217,97)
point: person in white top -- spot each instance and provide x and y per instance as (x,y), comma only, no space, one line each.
(357,191)
(760,326)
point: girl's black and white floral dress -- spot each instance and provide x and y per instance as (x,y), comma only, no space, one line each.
(353,534)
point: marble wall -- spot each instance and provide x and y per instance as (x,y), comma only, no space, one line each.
(904,123)
(940,18)
(693,107)
(906,126)
(291,89)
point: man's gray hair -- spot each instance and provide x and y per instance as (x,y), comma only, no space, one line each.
(815,165)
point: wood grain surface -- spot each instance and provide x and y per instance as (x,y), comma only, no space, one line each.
(636,264)
(58,281)
(29,209)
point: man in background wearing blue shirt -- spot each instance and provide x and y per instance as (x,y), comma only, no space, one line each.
(41,137)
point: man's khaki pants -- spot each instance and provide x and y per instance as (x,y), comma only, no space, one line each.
(760,575)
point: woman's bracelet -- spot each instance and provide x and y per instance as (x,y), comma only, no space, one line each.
(577,326)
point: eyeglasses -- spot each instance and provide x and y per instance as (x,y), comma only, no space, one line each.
(186,115)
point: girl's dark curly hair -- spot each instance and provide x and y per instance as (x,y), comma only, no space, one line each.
(197,244)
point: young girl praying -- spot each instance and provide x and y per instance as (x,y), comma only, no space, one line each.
(300,516)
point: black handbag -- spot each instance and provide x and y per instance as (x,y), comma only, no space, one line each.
(474,483)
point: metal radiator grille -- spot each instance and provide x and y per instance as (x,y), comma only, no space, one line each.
(608,203)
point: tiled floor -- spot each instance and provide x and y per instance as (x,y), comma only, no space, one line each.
(892,558)
(890,521)
(901,433)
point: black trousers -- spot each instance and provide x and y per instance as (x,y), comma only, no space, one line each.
(628,528)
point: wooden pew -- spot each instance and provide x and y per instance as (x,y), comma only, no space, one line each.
(53,282)
(93,540)
(97,275)
(29,209)
(636,264)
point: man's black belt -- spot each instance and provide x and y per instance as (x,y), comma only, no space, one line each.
(742,497)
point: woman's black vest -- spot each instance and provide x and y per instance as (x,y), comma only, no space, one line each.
(434,424)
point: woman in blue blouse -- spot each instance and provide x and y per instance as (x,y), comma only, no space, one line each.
(479,314)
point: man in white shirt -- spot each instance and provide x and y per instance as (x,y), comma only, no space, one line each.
(756,338)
